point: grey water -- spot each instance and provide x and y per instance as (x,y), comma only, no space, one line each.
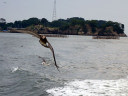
(79,57)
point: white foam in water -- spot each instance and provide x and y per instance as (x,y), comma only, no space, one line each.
(44,63)
(15,69)
(92,88)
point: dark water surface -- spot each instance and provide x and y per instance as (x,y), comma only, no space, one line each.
(85,64)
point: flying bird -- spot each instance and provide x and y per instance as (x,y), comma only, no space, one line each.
(43,41)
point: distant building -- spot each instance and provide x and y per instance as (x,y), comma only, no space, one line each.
(2,20)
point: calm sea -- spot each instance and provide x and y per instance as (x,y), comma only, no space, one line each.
(88,67)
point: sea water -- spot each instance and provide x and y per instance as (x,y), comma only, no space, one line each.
(88,67)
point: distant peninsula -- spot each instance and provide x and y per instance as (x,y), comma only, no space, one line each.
(69,26)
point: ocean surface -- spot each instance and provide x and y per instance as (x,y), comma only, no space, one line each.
(88,67)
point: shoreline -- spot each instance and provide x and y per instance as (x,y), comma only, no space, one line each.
(66,35)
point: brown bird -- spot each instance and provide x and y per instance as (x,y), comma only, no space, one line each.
(43,41)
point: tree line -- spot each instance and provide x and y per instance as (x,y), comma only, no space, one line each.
(64,24)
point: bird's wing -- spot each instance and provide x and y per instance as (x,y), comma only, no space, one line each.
(28,32)
(51,48)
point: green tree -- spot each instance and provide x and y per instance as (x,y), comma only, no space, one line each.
(44,22)
(33,21)
(18,24)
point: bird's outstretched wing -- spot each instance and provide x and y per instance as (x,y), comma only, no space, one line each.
(51,48)
(25,31)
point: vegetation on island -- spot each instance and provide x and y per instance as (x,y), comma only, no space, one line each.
(69,26)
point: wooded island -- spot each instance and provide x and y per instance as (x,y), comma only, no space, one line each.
(69,26)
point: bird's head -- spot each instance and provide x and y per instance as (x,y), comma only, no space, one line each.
(42,36)
(43,40)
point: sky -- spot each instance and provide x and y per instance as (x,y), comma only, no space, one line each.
(109,10)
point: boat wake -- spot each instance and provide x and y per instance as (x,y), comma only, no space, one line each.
(92,88)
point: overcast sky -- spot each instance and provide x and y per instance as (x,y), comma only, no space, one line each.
(114,10)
